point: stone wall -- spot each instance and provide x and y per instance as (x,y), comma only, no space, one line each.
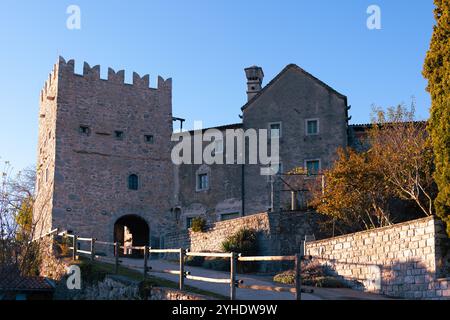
(405,260)
(278,233)
(83,175)
(114,287)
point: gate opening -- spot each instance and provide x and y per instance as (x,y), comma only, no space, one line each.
(131,230)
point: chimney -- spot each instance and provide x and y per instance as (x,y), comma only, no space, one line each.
(255,77)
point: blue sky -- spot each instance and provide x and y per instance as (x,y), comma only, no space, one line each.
(204,46)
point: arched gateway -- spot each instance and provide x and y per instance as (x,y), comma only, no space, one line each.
(131,230)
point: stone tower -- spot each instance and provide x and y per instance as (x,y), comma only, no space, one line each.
(104,167)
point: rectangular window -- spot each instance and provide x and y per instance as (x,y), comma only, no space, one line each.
(118,135)
(275,130)
(84,130)
(189,222)
(149,138)
(202,181)
(312,166)
(312,127)
(229,216)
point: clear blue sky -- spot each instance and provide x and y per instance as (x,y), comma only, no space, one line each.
(204,46)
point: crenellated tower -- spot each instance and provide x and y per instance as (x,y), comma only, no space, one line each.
(104,166)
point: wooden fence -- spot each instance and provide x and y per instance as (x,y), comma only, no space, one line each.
(233,257)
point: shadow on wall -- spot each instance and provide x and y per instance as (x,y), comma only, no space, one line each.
(409,280)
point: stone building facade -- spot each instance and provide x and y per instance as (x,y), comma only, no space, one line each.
(311,119)
(104,152)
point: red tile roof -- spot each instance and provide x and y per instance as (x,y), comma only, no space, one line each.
(13,281)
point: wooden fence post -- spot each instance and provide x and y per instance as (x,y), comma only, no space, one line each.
(74,245)
(233,276)
(92,249)
(145,261)
(181,279)
(116,253)
(298,278)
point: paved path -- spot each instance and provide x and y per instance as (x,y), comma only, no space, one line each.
(247,294)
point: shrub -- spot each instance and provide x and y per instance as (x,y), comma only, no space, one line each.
(245,242)
(198,224)
(286,277)
(313,274)
(194,261)
(218,264)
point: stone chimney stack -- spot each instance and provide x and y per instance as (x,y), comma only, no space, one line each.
(255,77)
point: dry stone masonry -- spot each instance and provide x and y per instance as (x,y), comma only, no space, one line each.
(405,260)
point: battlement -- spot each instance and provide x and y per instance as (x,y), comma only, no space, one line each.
(48,83)
(93,74)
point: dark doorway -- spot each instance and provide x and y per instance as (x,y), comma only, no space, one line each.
(131,230)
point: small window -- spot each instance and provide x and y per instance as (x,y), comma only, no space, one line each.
(118,135)
(202,182)
(275,130)
(85,130)
(133,182)
(312,127)
(312,166)
(229,216)
(189,222)
(149,138)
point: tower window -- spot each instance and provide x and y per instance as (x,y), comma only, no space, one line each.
(149,138)
(118,135)
(85,130)
(133,182)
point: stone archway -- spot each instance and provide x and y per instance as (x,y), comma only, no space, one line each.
(131,230)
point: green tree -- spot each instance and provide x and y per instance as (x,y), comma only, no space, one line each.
(437,70)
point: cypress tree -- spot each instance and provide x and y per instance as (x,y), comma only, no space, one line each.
(437,70)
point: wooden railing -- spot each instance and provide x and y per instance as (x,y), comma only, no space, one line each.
(233,257)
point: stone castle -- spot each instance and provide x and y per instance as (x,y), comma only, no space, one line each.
(104,152)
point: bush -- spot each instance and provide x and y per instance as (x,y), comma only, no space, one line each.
(286,277)
(198,224)
(326,282)
(313,274)
(218,264)
(194,261)
(245,242)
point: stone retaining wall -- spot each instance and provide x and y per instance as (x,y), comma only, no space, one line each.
(278,233)
(404,260)
(114,287)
